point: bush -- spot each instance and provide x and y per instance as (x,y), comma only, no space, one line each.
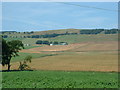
(23,65)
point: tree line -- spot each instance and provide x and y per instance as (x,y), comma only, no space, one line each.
(49,42)
(90,31)
(98,31)
(51,35)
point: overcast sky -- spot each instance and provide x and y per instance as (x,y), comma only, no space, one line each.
(39,16)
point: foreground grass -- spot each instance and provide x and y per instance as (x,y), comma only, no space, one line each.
(59,79)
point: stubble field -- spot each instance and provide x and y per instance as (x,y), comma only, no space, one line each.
(88,56)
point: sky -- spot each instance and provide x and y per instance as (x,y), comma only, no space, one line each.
(40,16)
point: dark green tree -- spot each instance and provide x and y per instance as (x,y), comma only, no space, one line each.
(39,42)
(55,42)
(10,49)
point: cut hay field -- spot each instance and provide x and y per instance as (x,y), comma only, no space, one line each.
(87,46)
(106,62)
(88,56)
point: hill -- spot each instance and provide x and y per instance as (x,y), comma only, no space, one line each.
(56,33)
(71,38)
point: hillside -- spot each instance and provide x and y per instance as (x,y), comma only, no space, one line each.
(71,38)
(55,33)
(18,34)
(85,38)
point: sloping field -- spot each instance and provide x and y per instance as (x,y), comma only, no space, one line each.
(76,62)
(54,48)
(98,46)
(87,46)
(76,57)
(59,31)
(88,56)
(71,38)
(86,38)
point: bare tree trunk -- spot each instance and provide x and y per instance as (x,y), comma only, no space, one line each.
(9,63)
(9,67)
(20,67)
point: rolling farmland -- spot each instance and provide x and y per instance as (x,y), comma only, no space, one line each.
(59,45)
(88,61)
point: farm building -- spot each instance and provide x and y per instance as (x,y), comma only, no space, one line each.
(63,43)
(26,44)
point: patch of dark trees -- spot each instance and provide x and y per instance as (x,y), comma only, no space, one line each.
(50,42)
(2,32)
(51,35)
(98,31)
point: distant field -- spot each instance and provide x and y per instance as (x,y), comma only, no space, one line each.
(29,47)
(77,47)
(26,40)
(32,40)
(72,38)
(59,79)
(85,38)
(9,39)
(44,32)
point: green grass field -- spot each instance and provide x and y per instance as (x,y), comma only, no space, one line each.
(23,55)
(29,47)
(85,38)
(72,38)
(59,79)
